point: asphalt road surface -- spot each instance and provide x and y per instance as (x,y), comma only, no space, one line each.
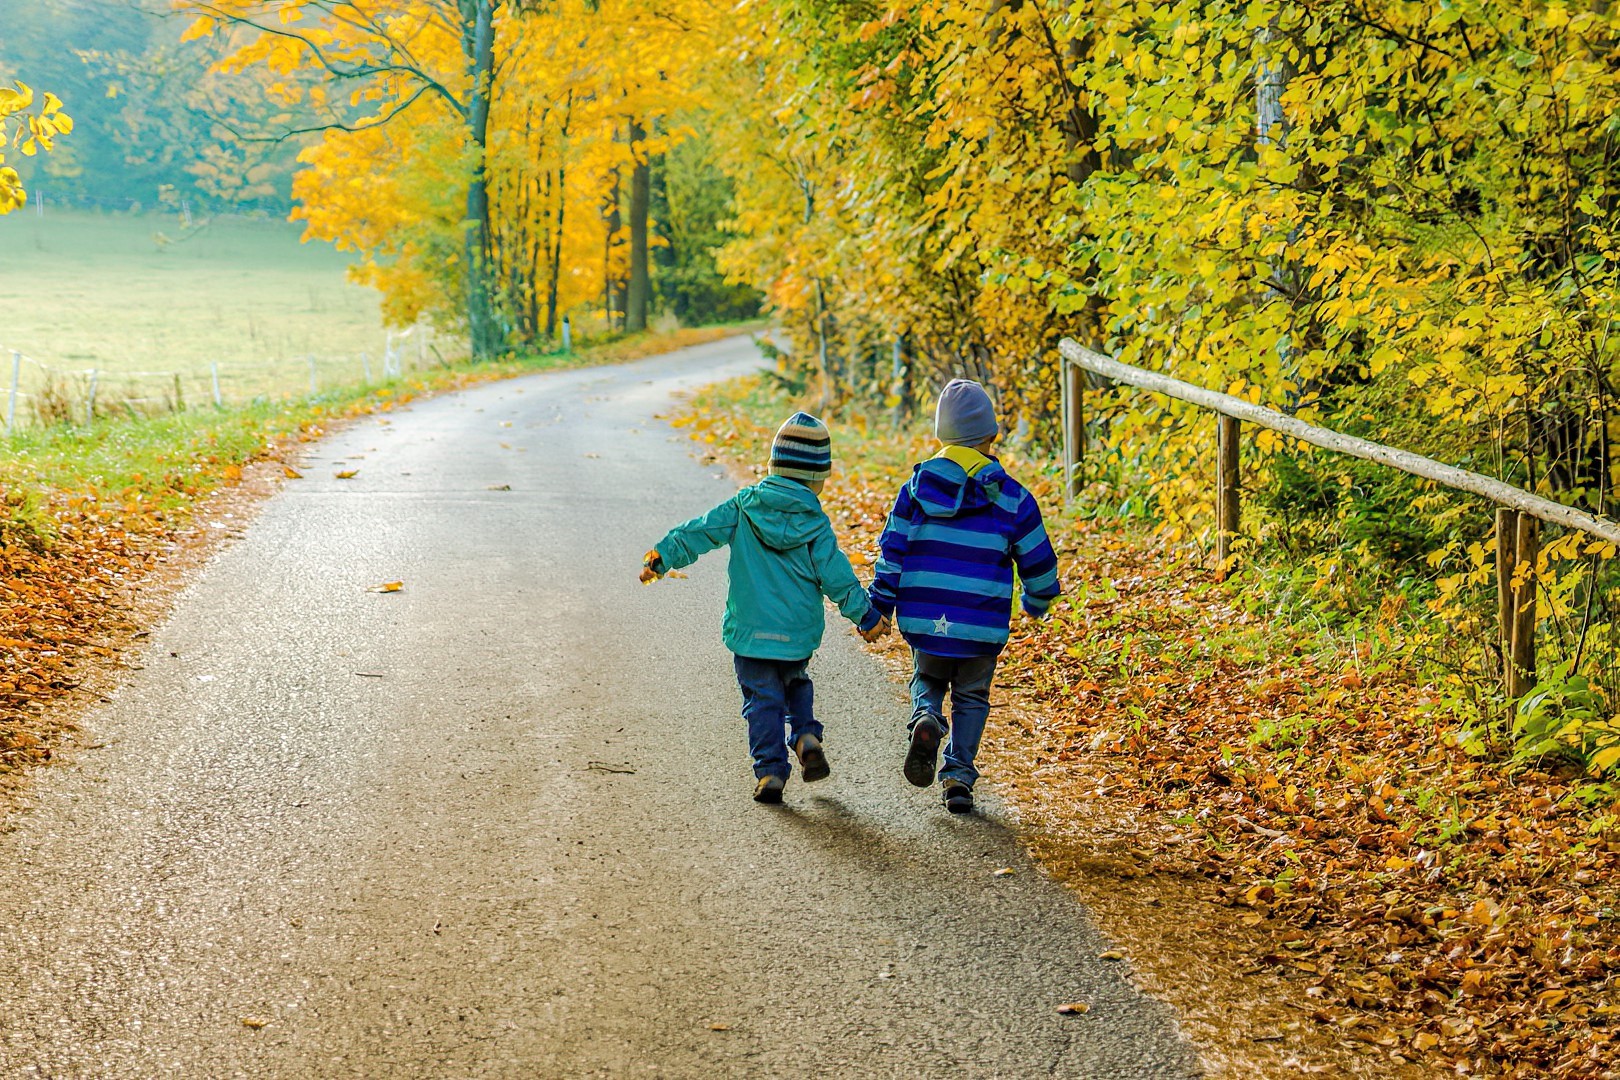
(497,824)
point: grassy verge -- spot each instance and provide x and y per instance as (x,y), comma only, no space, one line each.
(87,512)
(1431,906)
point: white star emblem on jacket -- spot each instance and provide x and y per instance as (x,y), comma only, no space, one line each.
(942,626)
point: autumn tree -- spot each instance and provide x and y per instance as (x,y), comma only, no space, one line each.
(379,63)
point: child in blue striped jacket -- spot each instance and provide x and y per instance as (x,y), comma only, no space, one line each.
(957,531)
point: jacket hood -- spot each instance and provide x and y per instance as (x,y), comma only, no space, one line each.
(783,513)
(943,487)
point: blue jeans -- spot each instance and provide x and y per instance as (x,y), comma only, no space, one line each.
(777,695)
(968,681)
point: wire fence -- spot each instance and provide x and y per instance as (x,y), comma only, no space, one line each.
(39,394)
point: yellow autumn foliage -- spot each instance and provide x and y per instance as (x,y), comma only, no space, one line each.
(29,132)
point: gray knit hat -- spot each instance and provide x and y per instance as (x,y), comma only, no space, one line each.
(802,449)
(966,416)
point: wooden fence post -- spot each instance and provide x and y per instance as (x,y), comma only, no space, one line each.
(1522,655)
(1074,428)
(1228,502)
(1067,401)
(179,397)
(1507,538)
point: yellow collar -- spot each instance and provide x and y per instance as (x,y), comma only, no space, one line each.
(967,457)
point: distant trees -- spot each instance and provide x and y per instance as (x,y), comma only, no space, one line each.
(495,163)
(148,116)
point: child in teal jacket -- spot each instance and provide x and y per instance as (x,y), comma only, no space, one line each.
(784,559)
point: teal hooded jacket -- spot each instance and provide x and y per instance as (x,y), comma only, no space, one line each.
(784,559)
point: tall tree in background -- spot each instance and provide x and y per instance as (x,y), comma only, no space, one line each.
(639,291)
(388,56)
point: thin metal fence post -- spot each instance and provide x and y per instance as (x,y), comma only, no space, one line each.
(567,335)
(365,365)
(311,360)
(897,386)
(213,369)
(16,380)
(90,401)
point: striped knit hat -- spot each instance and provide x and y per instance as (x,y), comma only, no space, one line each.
(802,449)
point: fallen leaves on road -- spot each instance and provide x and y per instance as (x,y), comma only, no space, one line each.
(346,474)
(387,586)
(254,1023)
(291,473)
(1074,1008)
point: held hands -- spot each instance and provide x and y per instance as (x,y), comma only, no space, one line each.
(648,574)
(881,630)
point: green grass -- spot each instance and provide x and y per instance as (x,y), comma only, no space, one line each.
(126,293)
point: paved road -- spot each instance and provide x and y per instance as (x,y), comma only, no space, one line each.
(521,843)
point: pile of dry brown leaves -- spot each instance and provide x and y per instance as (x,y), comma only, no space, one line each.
(1436,908)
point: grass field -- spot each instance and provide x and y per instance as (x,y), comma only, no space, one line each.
(143,293)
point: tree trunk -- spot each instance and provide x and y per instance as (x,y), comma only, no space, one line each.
(635,313)
(561,191)
(613,286)
(478,42)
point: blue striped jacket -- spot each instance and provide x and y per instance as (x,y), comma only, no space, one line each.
(957,531)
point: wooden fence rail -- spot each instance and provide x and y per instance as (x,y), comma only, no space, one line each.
(1517,537)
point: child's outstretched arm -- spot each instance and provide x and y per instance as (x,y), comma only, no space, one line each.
(839,584)
(1033,555)
(892,545)
(682,545)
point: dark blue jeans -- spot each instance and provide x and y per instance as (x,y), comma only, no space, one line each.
(777,695)
(968,682)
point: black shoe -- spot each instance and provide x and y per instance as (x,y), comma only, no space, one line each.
(769,789)
(958,797)
(812,760)
(923,757)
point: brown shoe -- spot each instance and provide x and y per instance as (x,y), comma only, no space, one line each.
(812,760)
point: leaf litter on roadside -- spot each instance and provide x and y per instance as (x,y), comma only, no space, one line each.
(1444,908)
